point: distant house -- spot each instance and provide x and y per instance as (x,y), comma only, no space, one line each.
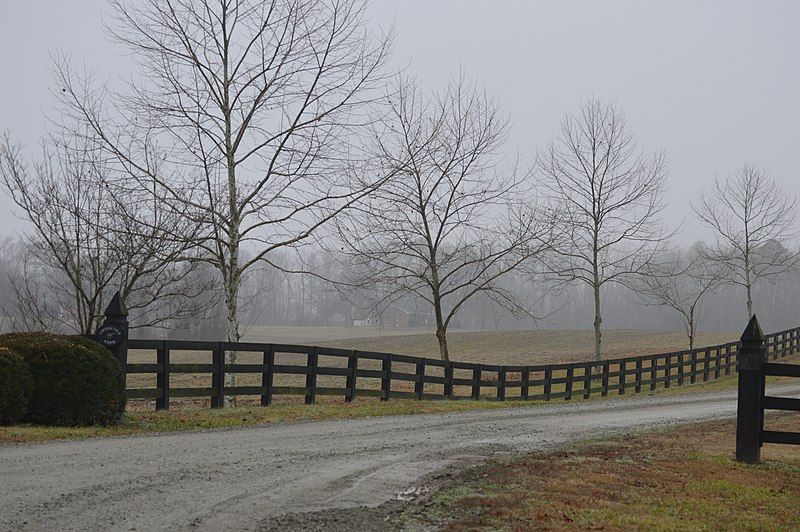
(396,316)
(393,316)
(422,318)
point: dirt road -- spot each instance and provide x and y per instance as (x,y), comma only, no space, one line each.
(239,479)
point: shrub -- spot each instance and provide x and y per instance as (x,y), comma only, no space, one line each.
(15,387)
(75,381)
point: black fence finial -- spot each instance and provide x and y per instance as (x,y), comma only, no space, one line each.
(116,308)
(753,332)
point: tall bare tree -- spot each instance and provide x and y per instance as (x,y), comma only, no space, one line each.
(253,109)
(680,282)
(88,241)
(612,198)
(754,221)
(448,224)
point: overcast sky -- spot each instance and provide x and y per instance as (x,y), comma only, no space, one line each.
(713,83)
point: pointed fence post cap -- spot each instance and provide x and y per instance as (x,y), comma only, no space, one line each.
(753,332)
(116,308)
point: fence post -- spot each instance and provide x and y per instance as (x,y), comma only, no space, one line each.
(749,417)
(728,360)
(476,382)
(419,382)
(706,364)
(524,391)
(113,332)
(568,385)
(638,374)
(312,364)
(218,377)
(548,383)
(162,379)
(501,384)
(267,375)
(448,380)
(350,382)
(386,378)
(587,381)
(653,373)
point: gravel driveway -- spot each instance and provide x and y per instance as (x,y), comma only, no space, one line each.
(239,479)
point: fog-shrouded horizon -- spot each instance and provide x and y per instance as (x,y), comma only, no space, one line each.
(713,84)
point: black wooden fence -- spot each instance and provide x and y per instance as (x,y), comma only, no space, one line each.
(425,378)
(312,371)
(754,368)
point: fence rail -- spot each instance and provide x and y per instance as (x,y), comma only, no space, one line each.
(753,400)
(351,373)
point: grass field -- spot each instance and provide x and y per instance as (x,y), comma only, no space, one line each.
(679,479)
(312,335)
(490,347)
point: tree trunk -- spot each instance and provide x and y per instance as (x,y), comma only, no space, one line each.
(231,296)
(598,322)
(596,284)
(749,300)
(441,335)
(748,282)
(232,333)
(441,330)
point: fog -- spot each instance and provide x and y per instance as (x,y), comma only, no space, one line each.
(713,84)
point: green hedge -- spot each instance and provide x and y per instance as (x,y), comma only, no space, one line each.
(15,387)
(74,381)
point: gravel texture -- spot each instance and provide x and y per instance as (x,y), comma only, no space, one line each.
(294,475)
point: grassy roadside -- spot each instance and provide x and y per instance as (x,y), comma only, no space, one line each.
(678,479)
(206,418)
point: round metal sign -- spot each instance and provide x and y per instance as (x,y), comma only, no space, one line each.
(110,335)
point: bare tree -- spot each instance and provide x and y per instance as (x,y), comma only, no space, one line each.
(88,241)
(448,224)
(680,283)
(753,220)
(26,305)
(254,108)
(612,197)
